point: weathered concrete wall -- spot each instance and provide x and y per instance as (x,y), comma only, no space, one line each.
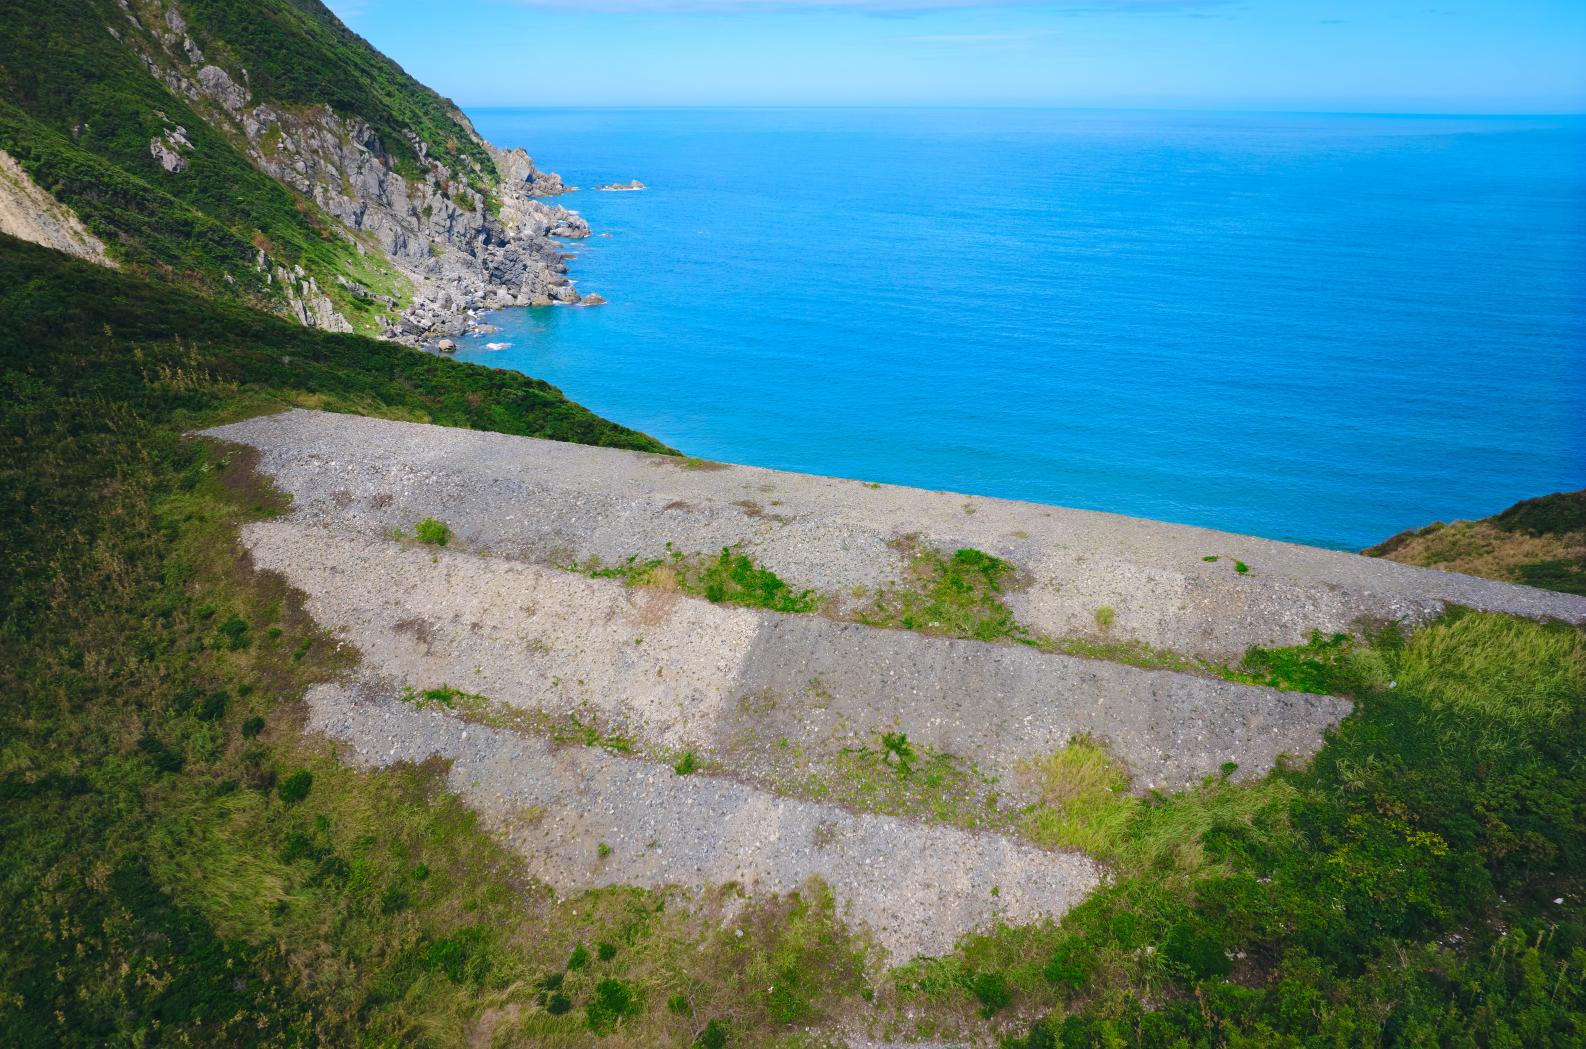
(679,672)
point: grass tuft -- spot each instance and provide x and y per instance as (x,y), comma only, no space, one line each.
(729,578)
(432,531)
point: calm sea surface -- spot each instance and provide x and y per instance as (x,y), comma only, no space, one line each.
(1315,328)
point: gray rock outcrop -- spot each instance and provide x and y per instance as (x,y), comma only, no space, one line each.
(460,243)
(170,147)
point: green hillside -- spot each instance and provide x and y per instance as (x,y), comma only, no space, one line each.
(298,53)
(183,866)
(125,609)
(78,109)
(1537,542)
(180,864)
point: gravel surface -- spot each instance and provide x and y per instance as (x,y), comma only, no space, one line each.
(679,672)
(918,888)
(543,500)
(491,615)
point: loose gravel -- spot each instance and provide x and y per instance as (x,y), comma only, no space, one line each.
(546,501)
(917,888)
(678,672)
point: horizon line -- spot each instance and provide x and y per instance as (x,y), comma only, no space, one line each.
(1048,107)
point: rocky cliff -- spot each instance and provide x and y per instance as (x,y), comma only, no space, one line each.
(398,219)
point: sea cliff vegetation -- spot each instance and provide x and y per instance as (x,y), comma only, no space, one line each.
(1537,542)
(183,866)
(263,153)
(78,112)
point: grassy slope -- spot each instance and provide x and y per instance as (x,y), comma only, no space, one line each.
(127,339)
(1537,542)
(78,109)
(181,864)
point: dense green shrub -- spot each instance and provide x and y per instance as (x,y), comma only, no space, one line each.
(295,787)
(714,1036)
(614,1001)
(991,991)
(1556,514)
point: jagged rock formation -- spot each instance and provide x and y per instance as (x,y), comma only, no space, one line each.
(26,211)
(292,166)
(466,238)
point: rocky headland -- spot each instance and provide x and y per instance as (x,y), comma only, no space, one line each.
(408,225)
(463,244)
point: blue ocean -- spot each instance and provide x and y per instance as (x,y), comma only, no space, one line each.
(1315,328)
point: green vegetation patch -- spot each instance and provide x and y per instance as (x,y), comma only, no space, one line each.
(959,595)
(432,531)
(1420,883)
(1558,514)
(731,578)
(900,778)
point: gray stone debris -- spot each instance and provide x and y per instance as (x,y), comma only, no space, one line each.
(170,147)
(492,614)
(678,672)
(548,502)
(917,888)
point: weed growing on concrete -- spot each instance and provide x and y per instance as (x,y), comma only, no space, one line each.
(1315,666)
(896,752)
(959,595)
(730,578)
(689,462)
(445,696)
(897,778)
(432,531)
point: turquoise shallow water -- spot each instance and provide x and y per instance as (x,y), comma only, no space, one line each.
(1314,328)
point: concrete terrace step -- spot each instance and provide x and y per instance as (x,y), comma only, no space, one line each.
(494,617)
(681,673)
(546,501)
(917,888)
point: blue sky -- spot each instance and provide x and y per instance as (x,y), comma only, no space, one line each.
(1513,56)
